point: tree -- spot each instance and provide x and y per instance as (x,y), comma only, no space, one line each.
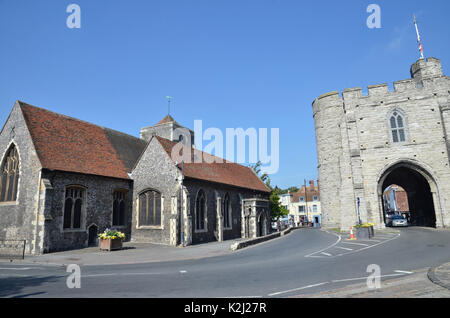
(276,209)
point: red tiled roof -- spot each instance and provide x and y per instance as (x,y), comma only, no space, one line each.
(225,172)
(311,192)
(68,144)
(165,120)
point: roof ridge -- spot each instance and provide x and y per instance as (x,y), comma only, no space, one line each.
(21,103)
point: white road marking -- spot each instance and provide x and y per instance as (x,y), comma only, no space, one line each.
(183,272)
(296,289)
(119,274)
(17,268)
(350,250)
(344,248)
(360,244)
(363,278)
(339,239)
(405,272)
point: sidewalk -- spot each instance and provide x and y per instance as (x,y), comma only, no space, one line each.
(135,253)
(416,285)
(132,253)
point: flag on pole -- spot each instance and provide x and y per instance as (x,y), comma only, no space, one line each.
(419,40)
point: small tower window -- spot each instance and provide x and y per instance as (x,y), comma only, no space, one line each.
(397,127)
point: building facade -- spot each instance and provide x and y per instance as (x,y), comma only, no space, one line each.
(365,143)
(64,181)
(304,205)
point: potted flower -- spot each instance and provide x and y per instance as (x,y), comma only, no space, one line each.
(111,240)
(364,230)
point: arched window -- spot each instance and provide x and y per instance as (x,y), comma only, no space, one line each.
(9,176)
(150,208)
(227,212)
(119,208)
(200,211)
(73,206)
(397,124)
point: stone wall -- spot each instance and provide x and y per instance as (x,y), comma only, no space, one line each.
(155,171)
(214,191)
(20,220)
(97,208)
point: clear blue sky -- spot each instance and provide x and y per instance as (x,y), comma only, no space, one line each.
(231,63)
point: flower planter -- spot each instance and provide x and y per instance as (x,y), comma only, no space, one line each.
(110,245)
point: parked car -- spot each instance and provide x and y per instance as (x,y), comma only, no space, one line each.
(396,220)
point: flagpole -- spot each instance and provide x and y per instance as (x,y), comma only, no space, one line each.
(418,38)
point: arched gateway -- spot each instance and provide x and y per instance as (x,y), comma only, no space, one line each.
(421,189)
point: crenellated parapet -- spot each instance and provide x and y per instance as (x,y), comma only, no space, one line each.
(425,74)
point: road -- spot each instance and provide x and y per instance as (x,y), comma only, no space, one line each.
(306,261)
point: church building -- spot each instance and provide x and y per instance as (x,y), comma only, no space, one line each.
(64,180)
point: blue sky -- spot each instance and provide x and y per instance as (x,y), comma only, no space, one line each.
(230,63)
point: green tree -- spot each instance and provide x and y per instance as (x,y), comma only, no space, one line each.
(276,209)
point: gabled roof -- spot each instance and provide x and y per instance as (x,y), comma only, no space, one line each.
(68,144)
(224,172)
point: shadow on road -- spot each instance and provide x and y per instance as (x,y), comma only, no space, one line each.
(13,286)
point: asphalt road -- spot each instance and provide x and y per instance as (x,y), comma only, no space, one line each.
(306,261)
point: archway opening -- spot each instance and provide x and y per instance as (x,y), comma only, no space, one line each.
(413,187)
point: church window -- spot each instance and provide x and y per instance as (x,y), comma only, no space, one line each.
(200,211)
(150,208)
(9,177)
(73,206)
(397,127)
(227,212)
(119,208)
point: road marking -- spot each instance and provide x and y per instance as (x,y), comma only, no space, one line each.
(339,239)
(405,272)
(344,248)
(241,297)
(296,289)
(17,268)
(183,272)
(363,278)
(360,244)
(119,274)
(327,254)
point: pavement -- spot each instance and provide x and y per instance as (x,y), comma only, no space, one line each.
(415,285)
(137,253)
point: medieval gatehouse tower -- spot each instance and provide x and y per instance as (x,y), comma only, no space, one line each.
(365,143)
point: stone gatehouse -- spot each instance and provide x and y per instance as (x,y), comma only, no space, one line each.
(365,143)
(64,180)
